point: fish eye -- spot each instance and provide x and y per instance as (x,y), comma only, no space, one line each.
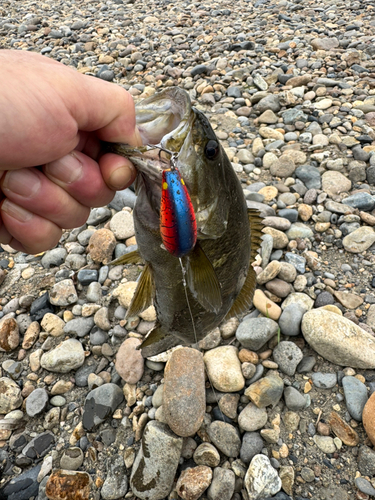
(211,150)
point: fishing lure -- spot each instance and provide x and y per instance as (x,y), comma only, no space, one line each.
(178,226)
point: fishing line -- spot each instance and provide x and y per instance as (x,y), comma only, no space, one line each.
(195,333)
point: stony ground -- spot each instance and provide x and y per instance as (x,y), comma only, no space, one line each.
(289,87)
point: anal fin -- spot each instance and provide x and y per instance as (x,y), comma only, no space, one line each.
(157,341)
(128,258)
(144,293)
(245,297)
(202,280)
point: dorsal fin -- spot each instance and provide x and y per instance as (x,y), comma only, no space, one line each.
(144,293)
(245,297)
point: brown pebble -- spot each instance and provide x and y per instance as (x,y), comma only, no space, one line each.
(101,246)
(68,485)
(265,354)
(246,356)
(31,335)
(9,335)
(193,482)
(368,418)
(343,430)
(323,429)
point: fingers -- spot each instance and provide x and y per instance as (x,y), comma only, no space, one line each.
(25,231)
(34,193)
(118,172)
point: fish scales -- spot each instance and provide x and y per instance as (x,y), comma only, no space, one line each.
(218,273)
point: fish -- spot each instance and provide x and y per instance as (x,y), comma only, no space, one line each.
(211,279)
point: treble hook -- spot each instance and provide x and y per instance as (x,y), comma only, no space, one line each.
(171,153)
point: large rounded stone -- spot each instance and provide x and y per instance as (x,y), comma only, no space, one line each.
(338,339)
(224,368)
(184,395)
(155,466)
(67,356)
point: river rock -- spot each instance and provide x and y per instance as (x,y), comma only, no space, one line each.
(65,484)
(100,403)
(287,355)
(224,368)
(155,466)
(129,361)
(253,333)
(338,339)
(222,485)
(261,479)
(67,356)
(9,335)
(10,395)
(359,240)
(252,418)
(343,430)
(355,396)
(225,437)
(193,482)
(184,391)
(266,391)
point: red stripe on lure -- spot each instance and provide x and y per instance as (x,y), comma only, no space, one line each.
(178,226)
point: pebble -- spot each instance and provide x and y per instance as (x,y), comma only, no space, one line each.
(266,391)
(101,246)
(100,403)
(36,402)
(9,335)
(206,454)
(122,225)
(224,369)
(294,400)
(116,483)
(347,343)
(193,482)
(325,443)
(63,293)
(343,430)
(157,459)
(324,380)
(184,391)
(254,333)
(72,458)
(222,485)
(359,240)
(287,355)
(67,356)
(368,418)
(225,437)
(266,306)
(261,478)
(355,396)
(10,395)
(68,484)
(290,319)
(129,361)
(252,418)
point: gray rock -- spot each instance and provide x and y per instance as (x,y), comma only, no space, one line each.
(324,380)
(36,402)
(72,458)
(310,176)
(355,396)
(225,437)
(155,466)
(252,444)
(54,257)
(98,215)
(292,115)
(365,486)
(79,326)
(22,487)
(94,292)
(290,320)
(63,293)
(100,403)
(299,230)
(298,261)
(222,485)
(325,443)
(362,201)
(323,299)
(82,374)
(271,102)
(116,484)
(366,461)
(294,400)
(287,355)
(253,333)
(252,418)
(124,198)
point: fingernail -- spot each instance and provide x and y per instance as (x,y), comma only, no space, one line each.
(24,182)
(16,211)
(67,169)
(122,177)
(137,138)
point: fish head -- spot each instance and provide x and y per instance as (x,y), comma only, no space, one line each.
(168,121)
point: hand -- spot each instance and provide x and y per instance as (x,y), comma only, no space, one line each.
(51,168)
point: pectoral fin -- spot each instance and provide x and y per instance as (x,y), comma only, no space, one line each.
(128,258)
(144,293)
(245,297)
(202,280)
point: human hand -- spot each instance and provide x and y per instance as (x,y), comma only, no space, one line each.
(53,118)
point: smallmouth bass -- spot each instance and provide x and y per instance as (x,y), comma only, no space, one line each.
(220,280)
